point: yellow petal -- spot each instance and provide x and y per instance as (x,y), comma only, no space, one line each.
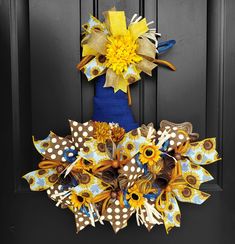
(138,29)
(116,20)
(86,50)
(122,84)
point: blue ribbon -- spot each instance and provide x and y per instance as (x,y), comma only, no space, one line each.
(70,159)
(166,45)
(165,145)
(126,203)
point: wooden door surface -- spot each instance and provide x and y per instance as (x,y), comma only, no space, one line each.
(42,90)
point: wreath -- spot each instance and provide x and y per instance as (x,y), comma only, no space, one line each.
(110,168)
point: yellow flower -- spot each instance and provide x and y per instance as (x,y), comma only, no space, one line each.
(102,131)
(117,134)
(135,197)
(121,52)
(84,198)
(149,154)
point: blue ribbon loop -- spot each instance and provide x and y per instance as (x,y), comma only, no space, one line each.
(68,158)
(166,45)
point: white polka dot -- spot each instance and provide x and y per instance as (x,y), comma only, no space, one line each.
(54,140)
(125,168)
(138,169)
(109,210)
(80,139)
(86,222)
(86,123)
(159,132)
(80,128)
(175,128)
(82,227)
(181,136)
(133,161)
(167,127)
(117,202)
(80,219)
(63,159)
(64,143)
(66,148)
(169,149)
(75,134)
(72,147)
(60,152)
(130,177)
(117,229)
(77,224)
(173,135)
(109,216)
(85,134)
(70,154)
(76,144)
(71,128)
(178,143)
(132,168)
(125,216)
(75,123)
(90,128)
(53,156)
(117,210)
(135,176)
(142,170)
(48,192)
(57,146)
(124,210)
(117,216)
(172,142)
(50,150)
(117,222)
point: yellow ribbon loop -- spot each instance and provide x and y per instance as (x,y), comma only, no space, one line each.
(49,164)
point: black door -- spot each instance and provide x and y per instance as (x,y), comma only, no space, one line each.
(42,88)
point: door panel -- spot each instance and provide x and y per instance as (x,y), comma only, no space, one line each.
(42,40)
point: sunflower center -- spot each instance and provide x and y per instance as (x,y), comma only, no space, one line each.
(149,152)
(121,52)
(80,198)
(135,196)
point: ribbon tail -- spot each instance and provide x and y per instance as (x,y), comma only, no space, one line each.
(165,63)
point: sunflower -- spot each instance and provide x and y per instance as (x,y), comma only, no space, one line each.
(149,154)
(83,164)
(83,199)
(102,131)
(135,197)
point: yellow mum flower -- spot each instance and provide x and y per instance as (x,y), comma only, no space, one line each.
(102,131)
(149,154)
(135,197)
(121,52)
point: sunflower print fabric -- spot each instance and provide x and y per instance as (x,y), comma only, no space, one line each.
(103,174)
